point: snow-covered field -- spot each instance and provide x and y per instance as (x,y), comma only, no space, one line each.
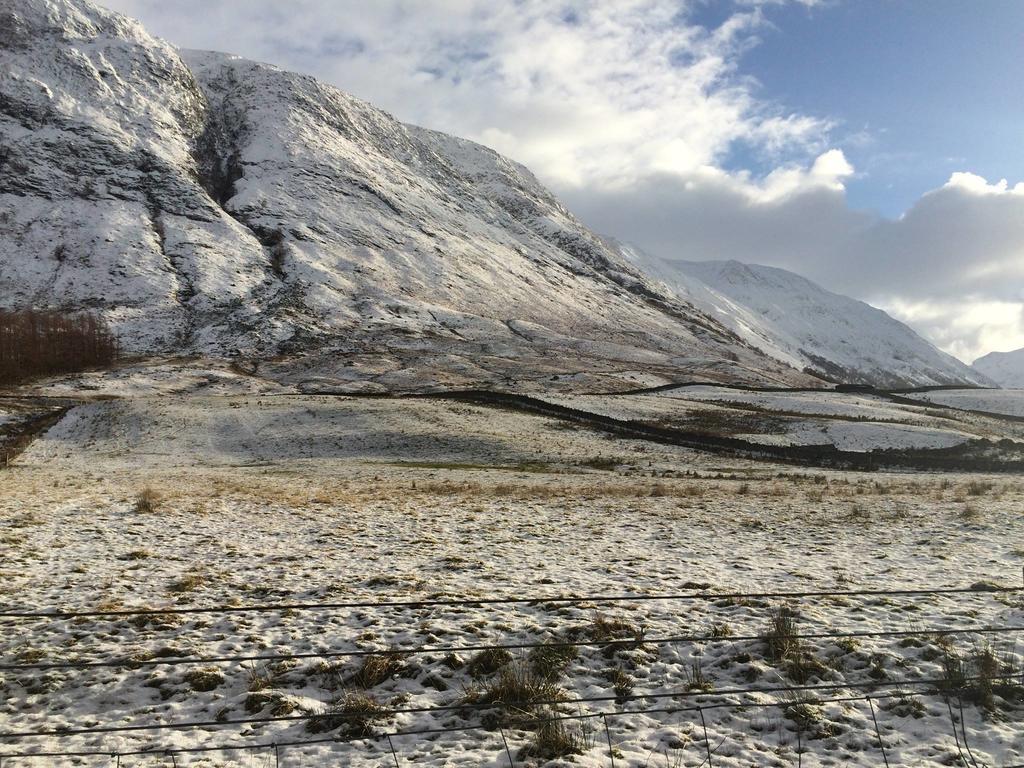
(260,499)
(822,403)
(1005,401)
(853,422)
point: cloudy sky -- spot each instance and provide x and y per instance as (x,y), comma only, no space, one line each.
(871,145)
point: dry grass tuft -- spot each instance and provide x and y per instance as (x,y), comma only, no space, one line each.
(147,501)
(554,740)
(517,696)
(488,662)
(354,714)
(550,661)
(205,679)
(377,668)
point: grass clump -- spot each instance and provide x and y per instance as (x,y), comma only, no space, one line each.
(488,662)
(137,554)
(555,739)
(203,680)
(265,676)
(969,513)
(983,677)
(978,487)
(606,628)
(376,668)
(607,464)
(279,704)
(147,501)
(550,661)
(785,650)
(622,684)
(809,718)
(905,706)
(187,582)
(354,715)
(781,638)
(517,693)
(696,680)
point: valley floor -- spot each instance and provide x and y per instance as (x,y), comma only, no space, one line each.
(171,503)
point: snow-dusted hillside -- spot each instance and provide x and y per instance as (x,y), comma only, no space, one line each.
(209,204)
(800,323)
(1004,368)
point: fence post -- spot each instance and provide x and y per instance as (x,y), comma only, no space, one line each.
(956,736)
(707,739)
(878,732)
(393,753)
(508,751)
(608,735)
(963,728)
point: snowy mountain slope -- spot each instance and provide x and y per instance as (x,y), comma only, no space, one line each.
(209,204)
(1004,368)
(798,322)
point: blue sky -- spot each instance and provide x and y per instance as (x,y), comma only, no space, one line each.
(860,143)
(920,89)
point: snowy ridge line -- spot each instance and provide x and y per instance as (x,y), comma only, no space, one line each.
(275,745)
(415,651)
(653,696)
(980,588)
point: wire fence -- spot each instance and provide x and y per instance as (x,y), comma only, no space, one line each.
(784,696)
(132,663)
(465,602)
(528,722)
(960,739)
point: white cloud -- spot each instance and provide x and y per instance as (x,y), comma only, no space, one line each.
(581,91)
(973,183)
(967,328)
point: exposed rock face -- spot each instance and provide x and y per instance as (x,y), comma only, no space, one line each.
(208,204)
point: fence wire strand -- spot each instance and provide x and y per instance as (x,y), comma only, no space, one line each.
(977,589)
(130,663)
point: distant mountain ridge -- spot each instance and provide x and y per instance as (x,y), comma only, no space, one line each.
(800,323)
(1004,368)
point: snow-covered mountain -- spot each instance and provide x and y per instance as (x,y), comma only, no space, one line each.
(205,204)
(1004,368)
(800,323)
(208,204)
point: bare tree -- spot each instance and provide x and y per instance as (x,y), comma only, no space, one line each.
(41,343)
